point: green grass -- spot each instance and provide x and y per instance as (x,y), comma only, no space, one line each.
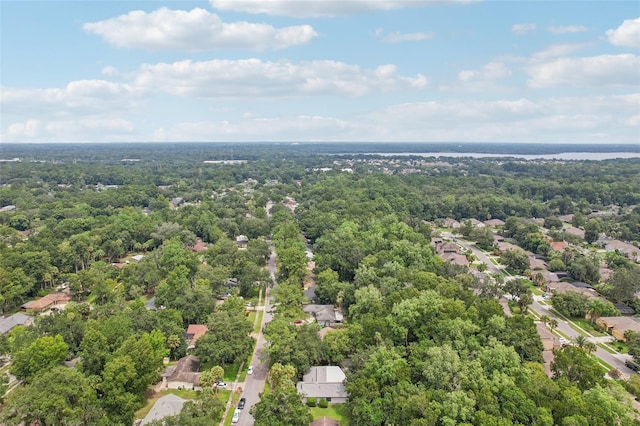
(333,411)
(252,316)
(231,372)
(256,327)
(586,324)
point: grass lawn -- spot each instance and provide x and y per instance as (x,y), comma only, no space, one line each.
(252,316)
(231,372)
(333,411)
(256,328)
(586,324)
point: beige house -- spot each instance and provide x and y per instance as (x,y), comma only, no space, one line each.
(616,326)
(46,302)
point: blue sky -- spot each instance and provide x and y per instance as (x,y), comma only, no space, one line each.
(320,70)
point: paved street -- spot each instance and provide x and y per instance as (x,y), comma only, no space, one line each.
(254,384)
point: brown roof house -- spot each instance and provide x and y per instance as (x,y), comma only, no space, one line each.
(455,258)
(323,382)
(184,375)
(494,222)
(46,302)
(616,326)
(194,332)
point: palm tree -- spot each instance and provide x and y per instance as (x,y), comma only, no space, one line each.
(553,324)
(596,308)
(544,319)
(585,344)
(524,301)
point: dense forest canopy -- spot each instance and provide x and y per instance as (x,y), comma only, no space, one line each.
(423,342)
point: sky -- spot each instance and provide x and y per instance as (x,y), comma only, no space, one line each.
(320,70)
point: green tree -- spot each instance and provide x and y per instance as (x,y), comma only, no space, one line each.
(592,231)
(56,396)
(228,339)
(281,376)
(576,366)
(571,303)
(281,406)
(516,260)
(43,353)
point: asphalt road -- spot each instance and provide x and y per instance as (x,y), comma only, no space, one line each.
(254,383)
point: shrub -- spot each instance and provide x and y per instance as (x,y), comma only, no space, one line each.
(323,403)
(311,402)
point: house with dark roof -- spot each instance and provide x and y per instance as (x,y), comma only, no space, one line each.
(19,319)
(325,315)
(184,375)
(168,405)
(323,382)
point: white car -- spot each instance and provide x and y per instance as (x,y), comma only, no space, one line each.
(236,416)
(220,385)
(250,369)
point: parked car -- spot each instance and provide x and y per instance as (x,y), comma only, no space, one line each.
(236,416)
(563,341)
(632,365)
(250,369)
(241,403)
(220,385)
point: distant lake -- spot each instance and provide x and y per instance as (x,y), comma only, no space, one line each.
(559,156)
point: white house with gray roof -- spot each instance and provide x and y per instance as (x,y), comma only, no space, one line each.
(8,323)
(168,405)
(323,382)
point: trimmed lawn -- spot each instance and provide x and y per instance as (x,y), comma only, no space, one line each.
(252,316)
(333,411)
(223,395)
(231,372)
(586,324)
(256,328)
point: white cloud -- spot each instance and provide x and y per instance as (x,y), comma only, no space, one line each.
(626,35)
(523,28)
(81,97)
(76,130)
(321,8)
(570,119)
(567,29)
(195,30)
(397,37)
(558,50)
(491,71)
(596,71)
(604,119)
(486,79)
(256,78)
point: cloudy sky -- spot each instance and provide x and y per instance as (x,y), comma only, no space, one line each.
(320,70)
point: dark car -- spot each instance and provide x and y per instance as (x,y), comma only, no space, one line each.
(633,366)
(241,403)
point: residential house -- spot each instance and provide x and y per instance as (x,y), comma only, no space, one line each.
(168,405)
(616,326)
(451,223)
(549,340)
(626,249)
(199,246)
(559,245)
(175,202)
(8,208)
(242,241)
(494,223)
(194,332)
(572,230)
(323,382)
(455,258)
(184,375)
(447,248)
(325,315)
(562,287)
(8,323)
(568,218)
(46,302)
